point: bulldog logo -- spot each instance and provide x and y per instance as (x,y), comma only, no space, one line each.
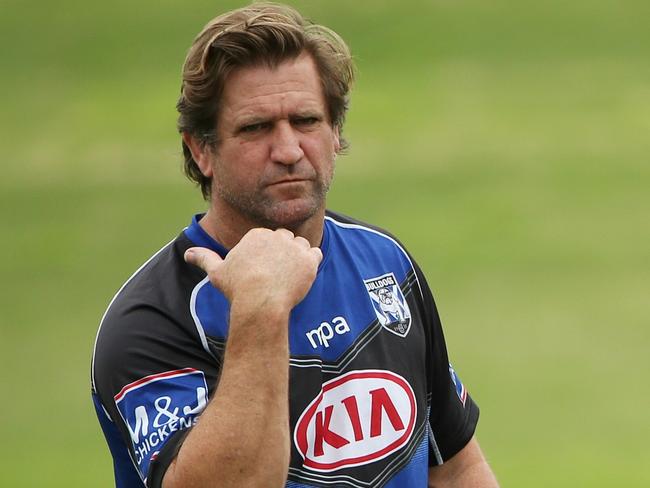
(389,303)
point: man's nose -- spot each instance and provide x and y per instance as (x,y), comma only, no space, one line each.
(285,147)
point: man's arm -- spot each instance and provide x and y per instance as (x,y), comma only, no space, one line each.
(242,437)
(467,469)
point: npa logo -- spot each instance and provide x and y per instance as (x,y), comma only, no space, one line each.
(358,418)
(324,333)
(156,406)
(389,303)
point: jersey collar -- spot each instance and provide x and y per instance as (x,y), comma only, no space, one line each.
(197,234)
(199,237)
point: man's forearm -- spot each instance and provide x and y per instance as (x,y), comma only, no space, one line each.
(467,469)
(242,437)
(476,476)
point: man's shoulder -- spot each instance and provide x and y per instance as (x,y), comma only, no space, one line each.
(352,229)
(158,290)
(157,274)
(150,308)
(346,221)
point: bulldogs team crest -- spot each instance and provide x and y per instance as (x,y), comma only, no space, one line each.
(389,303)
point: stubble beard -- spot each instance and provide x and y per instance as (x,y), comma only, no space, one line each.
(262,210)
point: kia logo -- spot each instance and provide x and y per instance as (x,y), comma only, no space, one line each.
(358,418)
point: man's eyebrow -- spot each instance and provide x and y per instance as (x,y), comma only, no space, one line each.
(307,113)
(251,119)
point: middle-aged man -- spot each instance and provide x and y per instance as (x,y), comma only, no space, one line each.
(274,343)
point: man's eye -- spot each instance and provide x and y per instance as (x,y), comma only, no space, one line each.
(254,127)
(305,121)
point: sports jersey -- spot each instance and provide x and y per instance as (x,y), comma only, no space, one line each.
(373,400)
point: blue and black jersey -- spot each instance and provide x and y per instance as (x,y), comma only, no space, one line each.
(373,399)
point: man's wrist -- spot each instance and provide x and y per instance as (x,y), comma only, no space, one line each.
(256,324)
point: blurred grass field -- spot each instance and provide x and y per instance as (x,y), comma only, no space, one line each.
(506,143)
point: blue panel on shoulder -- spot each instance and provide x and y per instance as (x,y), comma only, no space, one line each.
(212,310)
(343,301)
(358,285)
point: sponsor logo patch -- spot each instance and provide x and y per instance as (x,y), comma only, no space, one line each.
(325,332)
(358,418)
(389,303)
(156,406)
(461,391)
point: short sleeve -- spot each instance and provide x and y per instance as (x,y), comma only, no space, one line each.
(151,381)
(453,414)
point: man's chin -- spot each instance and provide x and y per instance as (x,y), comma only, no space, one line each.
(292,214)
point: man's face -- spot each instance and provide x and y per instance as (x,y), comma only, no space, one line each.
(274,158)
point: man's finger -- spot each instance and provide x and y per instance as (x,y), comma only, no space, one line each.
(317,253)
(287,232)
(302,241)
(204,258)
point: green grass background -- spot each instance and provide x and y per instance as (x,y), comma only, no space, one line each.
(506,143)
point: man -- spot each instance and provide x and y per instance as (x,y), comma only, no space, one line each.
(256,349)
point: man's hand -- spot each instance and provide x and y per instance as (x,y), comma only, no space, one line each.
(264,276)
(265,267)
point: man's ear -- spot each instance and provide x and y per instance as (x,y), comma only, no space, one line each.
(200,152)
(337,139)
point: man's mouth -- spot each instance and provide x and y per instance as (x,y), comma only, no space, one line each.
(289,181)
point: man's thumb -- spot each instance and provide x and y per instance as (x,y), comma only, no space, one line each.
(204,258)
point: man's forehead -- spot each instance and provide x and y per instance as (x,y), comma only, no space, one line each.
(261,88)
(256,111)
(303,61)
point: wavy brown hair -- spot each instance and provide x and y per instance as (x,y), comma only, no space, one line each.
(262,33)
